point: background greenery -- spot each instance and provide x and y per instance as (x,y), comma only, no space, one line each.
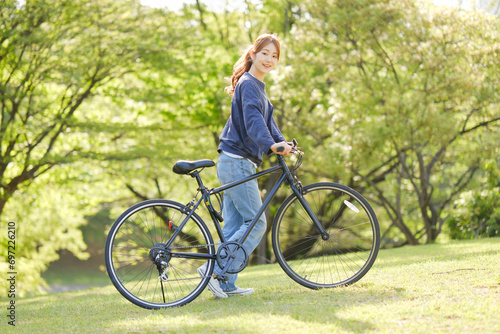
(397,99)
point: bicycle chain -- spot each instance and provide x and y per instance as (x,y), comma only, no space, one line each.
(194,246)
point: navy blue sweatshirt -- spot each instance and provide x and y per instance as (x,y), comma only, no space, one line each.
(251,129)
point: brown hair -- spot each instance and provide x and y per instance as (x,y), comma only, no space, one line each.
(245,62)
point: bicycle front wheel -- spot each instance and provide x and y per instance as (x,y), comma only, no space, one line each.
(344,254)
(148,272)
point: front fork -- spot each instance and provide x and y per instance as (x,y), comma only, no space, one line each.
(299,192)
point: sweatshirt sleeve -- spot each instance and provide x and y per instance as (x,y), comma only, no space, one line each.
(275,131)
(255,124)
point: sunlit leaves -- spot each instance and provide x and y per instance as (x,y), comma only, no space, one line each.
(406,80)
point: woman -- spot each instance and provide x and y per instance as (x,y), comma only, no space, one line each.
(249,132)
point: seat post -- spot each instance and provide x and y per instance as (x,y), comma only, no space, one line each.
(196,175)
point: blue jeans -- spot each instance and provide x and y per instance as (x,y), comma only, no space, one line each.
(241,204)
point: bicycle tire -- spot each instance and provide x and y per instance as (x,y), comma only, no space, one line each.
(130,267)
(352,246)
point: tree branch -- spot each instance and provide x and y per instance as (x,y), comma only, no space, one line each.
(387,59)
(460,185)
(485,123)
(136,193)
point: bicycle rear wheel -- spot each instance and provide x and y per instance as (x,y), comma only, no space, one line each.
(140,265)
(349,250)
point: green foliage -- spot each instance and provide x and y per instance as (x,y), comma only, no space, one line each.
(54,57)
(411,91)
(477,213)
(47,220)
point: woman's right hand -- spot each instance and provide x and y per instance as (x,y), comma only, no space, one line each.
(286,148)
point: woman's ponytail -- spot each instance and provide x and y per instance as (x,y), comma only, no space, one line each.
(242,65)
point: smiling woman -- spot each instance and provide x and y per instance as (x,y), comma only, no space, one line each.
(250,132)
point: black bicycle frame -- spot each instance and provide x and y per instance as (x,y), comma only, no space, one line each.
(206,193)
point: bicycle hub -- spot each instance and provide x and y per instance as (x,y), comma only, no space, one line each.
(158,253)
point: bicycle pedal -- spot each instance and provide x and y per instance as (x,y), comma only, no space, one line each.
(221,278)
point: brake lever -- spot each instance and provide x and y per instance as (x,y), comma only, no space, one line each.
(295,148)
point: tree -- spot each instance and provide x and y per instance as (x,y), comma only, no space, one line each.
(55,56)
(412,92)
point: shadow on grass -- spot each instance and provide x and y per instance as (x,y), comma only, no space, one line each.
(282,307)
(286,309)
(278,305)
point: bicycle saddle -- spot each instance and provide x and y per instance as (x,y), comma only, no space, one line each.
(186,167)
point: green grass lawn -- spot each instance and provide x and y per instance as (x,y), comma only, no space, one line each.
(450,288)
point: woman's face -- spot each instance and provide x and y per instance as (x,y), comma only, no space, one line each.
(264,60)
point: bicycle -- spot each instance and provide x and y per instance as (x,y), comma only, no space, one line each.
(324,235)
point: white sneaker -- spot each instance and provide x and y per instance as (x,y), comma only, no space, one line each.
(240,292)
(213,284)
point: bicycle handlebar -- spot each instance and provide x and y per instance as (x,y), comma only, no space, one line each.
(294,145)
